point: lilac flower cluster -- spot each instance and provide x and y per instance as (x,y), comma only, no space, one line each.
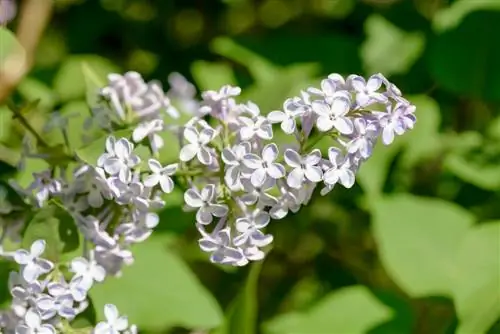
(112,202)
(238,174)
(241,178)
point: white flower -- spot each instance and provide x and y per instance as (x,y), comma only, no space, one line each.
(265,166)
(340,170)
(234,159)
(88,270)
(366,92)
(258,126)
(149,129)
(249,229)
(123,160)
(333,114)
(205,203)
(362,139)
(286,117)
(219,245)
(160,175)
(52,306)
(75,289)
(258,195)
(303,167)
(197,145)
(32,265)
(33,325)
(114,322)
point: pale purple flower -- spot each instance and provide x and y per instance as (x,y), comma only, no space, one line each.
(88,270)
(205,204)
(114,323)
(51,306)
(286,117)
(44,185)
(160,175)
(396,120)
(33,324)
(233,158)
(258,126)
(304,167)
(367,91)
(32,265)
(334,114)
(286,202)
(219,245)
(123,160)
(258,194)
(197,145)
(363,138)
(249,228)
(75,289)
(149,129)
(339,170)
(264,167)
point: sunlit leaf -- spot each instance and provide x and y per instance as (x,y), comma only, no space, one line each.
(159,291)
(12,54)
(476,288)
(212,76)
(388,49)
(349,310)
(56,226)
(451,16)
(78,74)
(418,239)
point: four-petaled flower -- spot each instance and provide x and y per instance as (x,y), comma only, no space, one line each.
(334,114)
(160,175)
(114,322)
(88,270)
(303,167)
(33,324)
(120,159)
(197,145)
(339,170)
(32,265)
(204,201)
(265,166)
(367,91)
(286,117)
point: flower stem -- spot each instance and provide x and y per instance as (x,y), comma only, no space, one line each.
(18,115)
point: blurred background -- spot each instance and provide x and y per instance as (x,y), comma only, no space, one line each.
(413,247)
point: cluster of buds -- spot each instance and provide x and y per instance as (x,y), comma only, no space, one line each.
(235,173)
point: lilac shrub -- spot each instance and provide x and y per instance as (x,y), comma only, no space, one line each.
(236,172)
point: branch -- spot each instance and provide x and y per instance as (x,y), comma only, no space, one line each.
(33,18)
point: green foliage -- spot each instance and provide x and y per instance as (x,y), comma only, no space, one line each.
(377,258)
(337,312)
(472,71)
(242,314)
(57,227)
(419,253)
(159,291)
(72,80)
(475,286)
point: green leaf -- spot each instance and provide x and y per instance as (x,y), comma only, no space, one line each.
(32,89)
(464,60)
(373,173)
(212,76)
(476,289)
(11,50)
(93,82)
(158,291)
(56,226)
(349,310)
(80,74)
(91,152)
(424,140)
(474,159)
(418,239)
(451,16)
(388,49)
(6,121)
(241,316)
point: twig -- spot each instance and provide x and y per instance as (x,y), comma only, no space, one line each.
(33,19)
